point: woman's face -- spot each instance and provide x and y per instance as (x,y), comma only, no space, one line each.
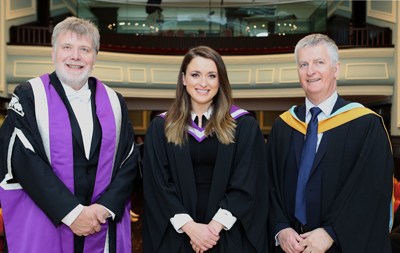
(201,81)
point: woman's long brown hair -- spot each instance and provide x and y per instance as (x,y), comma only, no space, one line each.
(178,116)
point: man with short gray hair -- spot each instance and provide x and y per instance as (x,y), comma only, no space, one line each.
(67,155)
(330,163)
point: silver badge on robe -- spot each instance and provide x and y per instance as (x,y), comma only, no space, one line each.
(15,105)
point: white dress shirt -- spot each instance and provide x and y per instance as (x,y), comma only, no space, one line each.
(222,216)
(326,107)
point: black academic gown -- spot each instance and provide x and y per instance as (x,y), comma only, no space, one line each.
(239,185)
(34,173)
(350,184)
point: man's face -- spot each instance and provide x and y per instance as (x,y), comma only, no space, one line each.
(316,73)
(74,59)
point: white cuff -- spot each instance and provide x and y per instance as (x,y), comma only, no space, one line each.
(112,215)
(225,217)
(179,220)
(276,238)
(71,216)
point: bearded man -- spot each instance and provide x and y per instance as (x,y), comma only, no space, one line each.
(67,155)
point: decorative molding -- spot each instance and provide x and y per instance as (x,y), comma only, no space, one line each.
(29,50)
(265,70)
(44,65)
(245,59)
(57,6)
(11,14)
(102,72)
(232,72)
(268,93)
(371,67)
(391,17)
(139,58)
(253,93)
(137,81)
(153,73)
(282,70)
(254,59)
(366,53)
(298,92)
(145,93)
(365,90)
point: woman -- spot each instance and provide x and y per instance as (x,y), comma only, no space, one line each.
(204,175)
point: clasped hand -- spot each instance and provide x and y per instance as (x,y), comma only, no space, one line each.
(202,236)
(89,220)
(316,241)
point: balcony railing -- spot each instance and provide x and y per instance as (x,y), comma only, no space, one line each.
(358,37)
(30,35)
(370,36)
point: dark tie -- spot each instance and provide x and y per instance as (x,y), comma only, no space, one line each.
(306,162)
(203,121)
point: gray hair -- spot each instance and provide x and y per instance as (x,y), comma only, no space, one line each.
(319,39)
(78,26)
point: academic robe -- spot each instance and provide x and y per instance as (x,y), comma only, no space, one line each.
(239,185)
(48,175)
(350,185)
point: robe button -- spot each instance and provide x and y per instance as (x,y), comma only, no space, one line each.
(88,171)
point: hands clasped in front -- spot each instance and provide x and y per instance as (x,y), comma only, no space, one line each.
(202,236)
(316,241)
(89,220)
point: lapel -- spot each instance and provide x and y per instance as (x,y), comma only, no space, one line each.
(299,137)
(96,137)
(76,131)
(222,172)
(340,102)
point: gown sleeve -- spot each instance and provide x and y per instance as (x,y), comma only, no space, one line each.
(31,169)
(276,146)
(160,194)
(360,211)
(247,194)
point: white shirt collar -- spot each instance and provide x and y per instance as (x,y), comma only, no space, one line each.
(207,114)
(70,91)
(326,106)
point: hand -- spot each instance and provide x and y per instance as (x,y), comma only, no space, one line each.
(289,241)
(86,223)
(202,236)
(134,216)
(100,212)
(196,248)
(316,241)
(216,226)
(213,224)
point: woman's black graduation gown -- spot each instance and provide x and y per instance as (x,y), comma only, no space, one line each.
(239,185)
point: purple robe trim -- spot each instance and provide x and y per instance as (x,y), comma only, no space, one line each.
(28,228)
(199,134)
